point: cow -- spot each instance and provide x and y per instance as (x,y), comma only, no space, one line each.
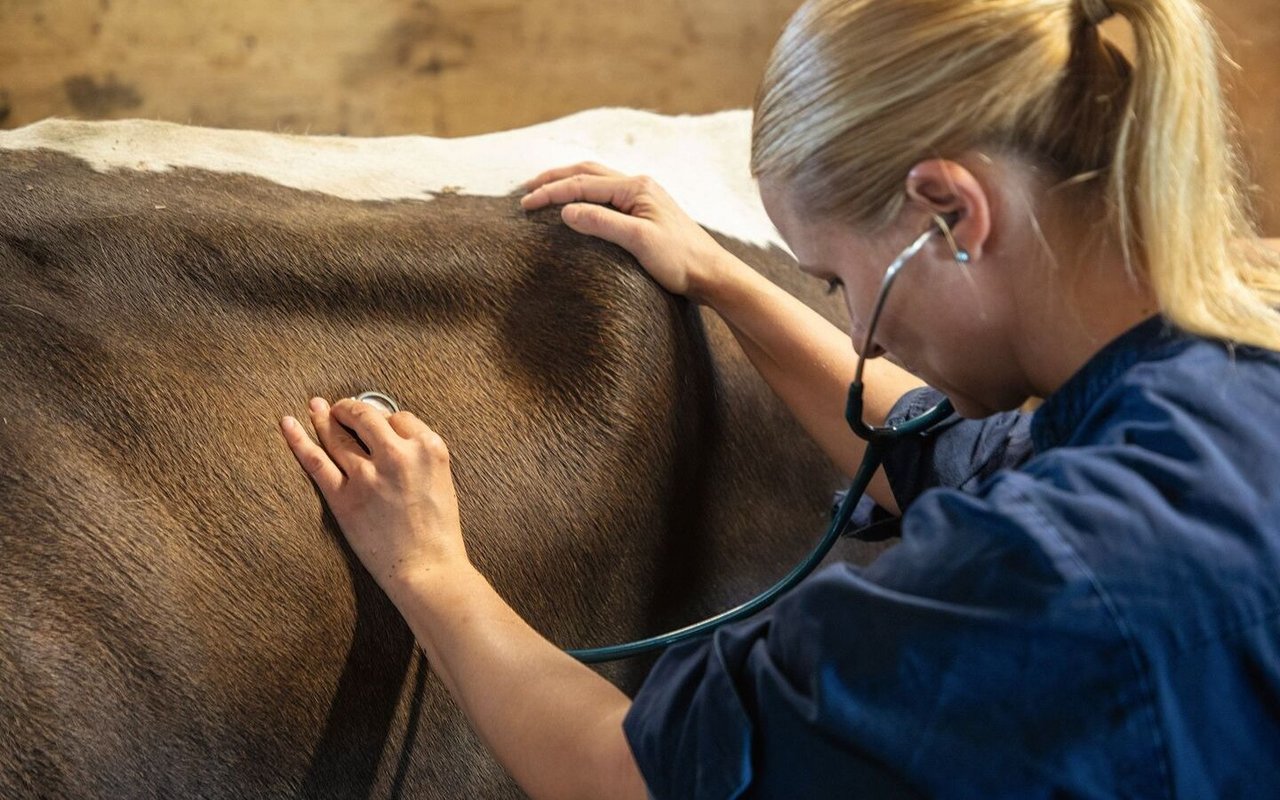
(180,615)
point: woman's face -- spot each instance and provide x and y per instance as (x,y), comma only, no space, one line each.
(945,322)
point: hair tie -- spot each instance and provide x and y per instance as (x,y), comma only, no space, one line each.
(1096,12)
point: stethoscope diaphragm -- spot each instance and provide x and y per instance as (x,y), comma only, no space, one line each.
(379,401)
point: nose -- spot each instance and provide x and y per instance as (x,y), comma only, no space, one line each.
(859,337)
(874,351)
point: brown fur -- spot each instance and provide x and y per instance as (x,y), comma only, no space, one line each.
(181,617)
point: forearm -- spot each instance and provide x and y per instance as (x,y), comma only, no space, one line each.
(553,723)
(808,362)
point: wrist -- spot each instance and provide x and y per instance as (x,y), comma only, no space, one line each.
(428,587)
(708,286)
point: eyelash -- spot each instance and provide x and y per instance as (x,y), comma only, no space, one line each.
(833,285)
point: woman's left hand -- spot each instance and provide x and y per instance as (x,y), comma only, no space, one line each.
(396,503)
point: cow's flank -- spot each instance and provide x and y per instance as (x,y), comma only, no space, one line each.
(180,615)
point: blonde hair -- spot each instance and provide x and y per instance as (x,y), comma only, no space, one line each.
(858,91)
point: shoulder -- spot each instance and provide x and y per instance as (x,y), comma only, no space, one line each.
(1177,441)
(1196,389)
(1163,505)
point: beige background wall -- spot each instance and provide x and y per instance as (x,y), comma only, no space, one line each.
(450,67)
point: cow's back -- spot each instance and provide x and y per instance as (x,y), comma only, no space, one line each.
(180,615)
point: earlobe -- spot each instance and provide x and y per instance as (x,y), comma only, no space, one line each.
(948,190)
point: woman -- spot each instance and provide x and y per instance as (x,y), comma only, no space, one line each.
(1085,600)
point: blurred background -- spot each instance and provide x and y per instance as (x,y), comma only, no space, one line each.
(459,67)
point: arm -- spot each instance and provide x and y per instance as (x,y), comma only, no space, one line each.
(807,361)
(555,725)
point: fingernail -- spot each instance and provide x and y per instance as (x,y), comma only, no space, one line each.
(290,423)
(316,404)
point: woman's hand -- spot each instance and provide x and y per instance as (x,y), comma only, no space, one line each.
(644,220)
(396,503)
(551,721)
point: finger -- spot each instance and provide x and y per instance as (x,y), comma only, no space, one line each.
(558,173)
(410,427)
(369,423)
(605,223)
(414,429)
(342,448)
(616,190)
(311,457)
(407,425)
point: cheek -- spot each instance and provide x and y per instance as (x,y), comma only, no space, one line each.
(931,341)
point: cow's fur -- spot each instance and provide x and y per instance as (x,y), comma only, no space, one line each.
(180,616)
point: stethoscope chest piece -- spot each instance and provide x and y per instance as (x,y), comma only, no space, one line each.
(379,401)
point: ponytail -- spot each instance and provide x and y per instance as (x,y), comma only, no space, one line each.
(1150,140)
(1176,182)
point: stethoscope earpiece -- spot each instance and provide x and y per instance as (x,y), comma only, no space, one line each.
(945,224)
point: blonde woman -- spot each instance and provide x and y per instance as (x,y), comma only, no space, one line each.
(1085,600)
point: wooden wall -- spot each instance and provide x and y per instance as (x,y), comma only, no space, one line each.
(450,67)
(1251,31)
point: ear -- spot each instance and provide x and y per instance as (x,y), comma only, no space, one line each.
(949,189)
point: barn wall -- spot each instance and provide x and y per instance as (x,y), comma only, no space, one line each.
(449,67)
(1251,31)
(369,67)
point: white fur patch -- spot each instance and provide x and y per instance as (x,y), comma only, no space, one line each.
(701,160)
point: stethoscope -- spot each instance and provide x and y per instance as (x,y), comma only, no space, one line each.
(878,439)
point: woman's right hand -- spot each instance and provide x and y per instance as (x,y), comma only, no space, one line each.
(635,213)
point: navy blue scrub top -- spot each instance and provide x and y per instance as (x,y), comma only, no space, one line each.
(1085,602)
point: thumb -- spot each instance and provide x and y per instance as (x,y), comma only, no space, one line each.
(602,222)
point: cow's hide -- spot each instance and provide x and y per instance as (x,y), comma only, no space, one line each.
(181,618)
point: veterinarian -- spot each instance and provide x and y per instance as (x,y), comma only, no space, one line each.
(1085,601)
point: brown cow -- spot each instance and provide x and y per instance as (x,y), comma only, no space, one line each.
(181,617)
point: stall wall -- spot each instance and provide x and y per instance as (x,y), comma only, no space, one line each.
(445,68)
(450,67)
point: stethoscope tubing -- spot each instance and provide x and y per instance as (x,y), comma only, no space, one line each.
(761,601)
(878,440)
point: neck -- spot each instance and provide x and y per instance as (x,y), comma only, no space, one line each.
(1083,305)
